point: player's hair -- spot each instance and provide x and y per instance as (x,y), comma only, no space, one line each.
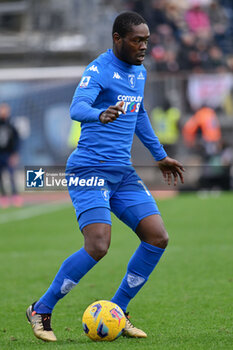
(124,22)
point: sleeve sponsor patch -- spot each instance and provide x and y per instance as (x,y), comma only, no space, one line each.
(84,82)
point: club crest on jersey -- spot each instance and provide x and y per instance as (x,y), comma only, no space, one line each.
(84,82)
(131,80)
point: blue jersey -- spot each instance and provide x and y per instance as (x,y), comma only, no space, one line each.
(106,81)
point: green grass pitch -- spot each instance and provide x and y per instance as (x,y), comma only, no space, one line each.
(186,304)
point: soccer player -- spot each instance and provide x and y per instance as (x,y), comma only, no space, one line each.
(109,104)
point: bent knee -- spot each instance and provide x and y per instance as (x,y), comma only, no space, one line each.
(99,250)
(159,239)
(97,246)
(162,240)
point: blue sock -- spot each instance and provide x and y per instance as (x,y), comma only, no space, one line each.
(70,273)
(139,268)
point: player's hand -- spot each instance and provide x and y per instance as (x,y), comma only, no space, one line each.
(112,113)
(171,168)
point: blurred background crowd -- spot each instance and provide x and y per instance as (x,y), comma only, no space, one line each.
(186,35)
(45,45)
(190,35)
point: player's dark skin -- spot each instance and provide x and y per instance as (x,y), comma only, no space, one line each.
(97,237)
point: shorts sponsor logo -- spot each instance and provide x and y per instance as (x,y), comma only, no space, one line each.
(35,178)
(84,82)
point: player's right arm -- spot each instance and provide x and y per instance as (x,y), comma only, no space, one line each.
(90,87)
(112,113)
(87,91)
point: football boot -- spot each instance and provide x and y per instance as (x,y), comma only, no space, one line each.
(41,324)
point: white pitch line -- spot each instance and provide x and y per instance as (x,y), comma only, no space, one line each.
(27,213)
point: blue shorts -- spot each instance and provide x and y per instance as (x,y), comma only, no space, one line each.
(96,191)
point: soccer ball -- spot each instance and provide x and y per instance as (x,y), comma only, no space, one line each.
(103,320)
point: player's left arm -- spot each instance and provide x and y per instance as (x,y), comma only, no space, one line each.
(145,133)
(169,167)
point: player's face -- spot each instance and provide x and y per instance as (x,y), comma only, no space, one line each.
(132,48)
